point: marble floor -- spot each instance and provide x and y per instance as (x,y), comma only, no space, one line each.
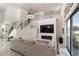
(63,52)
(10,53)
(6,51)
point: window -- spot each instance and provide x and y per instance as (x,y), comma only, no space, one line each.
(68,35)
(75,33)
(72,30)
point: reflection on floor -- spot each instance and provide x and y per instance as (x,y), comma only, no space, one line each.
(63,52)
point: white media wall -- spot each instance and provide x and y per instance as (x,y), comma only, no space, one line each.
(48,22)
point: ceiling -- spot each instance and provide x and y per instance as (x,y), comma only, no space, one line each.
(34,7)
(67,8)
(48,8)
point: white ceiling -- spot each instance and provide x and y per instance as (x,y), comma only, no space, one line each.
(34,7)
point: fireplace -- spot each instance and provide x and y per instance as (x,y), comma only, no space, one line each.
(46,37)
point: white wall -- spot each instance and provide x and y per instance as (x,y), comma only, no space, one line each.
(39,16)
(12,14)
(34,29)
(29,32)
(24,33)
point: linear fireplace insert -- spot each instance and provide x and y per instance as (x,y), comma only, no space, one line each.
(46,37)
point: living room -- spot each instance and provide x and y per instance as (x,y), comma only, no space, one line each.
(35,29)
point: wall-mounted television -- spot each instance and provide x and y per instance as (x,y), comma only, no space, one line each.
(49,28)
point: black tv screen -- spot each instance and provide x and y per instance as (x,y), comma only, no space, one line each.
(47,28)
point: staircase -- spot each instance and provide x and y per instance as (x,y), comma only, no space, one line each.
(15,25)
